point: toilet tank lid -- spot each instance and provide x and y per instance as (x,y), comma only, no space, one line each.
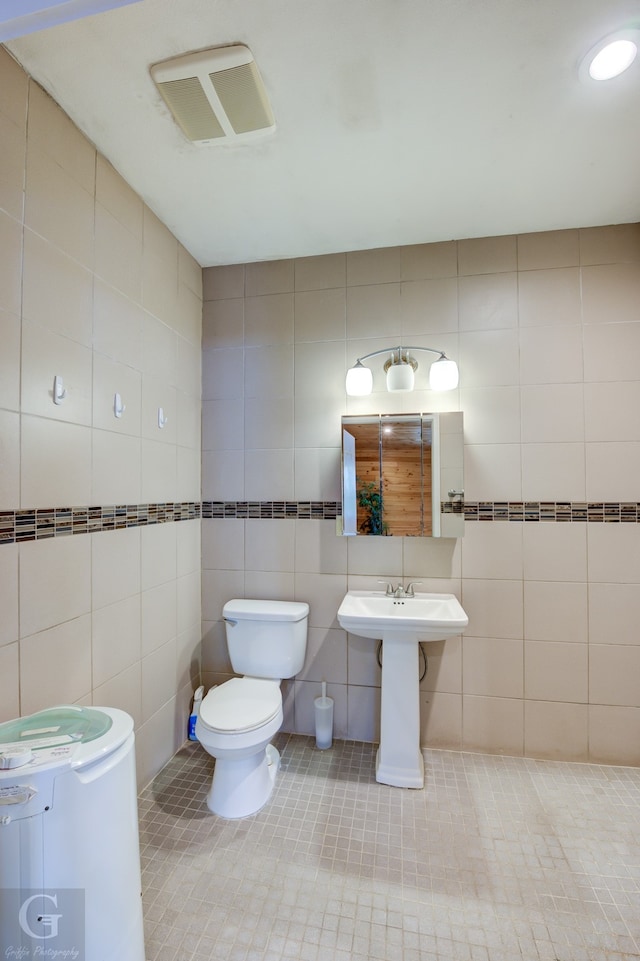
(244,609)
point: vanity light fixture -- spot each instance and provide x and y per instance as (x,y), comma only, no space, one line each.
(400,369)
(611,56)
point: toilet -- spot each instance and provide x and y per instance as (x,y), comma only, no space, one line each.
(267,641)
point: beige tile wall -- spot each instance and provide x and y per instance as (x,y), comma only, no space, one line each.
(546,329)
(95,289)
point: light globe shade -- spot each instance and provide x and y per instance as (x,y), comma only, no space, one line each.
(359,381)
(443,374)
(400,377)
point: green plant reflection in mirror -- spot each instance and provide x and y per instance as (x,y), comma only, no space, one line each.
(396,471)
(370,501)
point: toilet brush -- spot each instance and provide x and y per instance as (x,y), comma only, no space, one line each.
(324,719)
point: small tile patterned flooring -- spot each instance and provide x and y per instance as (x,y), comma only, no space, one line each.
(497,859)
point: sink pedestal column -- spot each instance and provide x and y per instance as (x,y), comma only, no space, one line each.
(399,760)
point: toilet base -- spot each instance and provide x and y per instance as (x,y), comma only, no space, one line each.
(241,787)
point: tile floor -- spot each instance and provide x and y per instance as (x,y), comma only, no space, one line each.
(497,859)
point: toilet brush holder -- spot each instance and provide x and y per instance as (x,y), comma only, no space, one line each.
(324,719)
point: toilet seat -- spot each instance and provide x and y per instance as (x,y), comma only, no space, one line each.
(241,705)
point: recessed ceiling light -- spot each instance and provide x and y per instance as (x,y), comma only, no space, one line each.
(613,60)
(611,56)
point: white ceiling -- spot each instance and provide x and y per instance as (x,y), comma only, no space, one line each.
(398,121)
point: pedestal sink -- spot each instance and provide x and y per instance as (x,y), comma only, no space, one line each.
(401,622)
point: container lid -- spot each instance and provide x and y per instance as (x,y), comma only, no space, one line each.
(251,610)
(62,736)
(241,704)
(58,725)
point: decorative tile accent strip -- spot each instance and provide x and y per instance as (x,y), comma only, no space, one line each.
(558,511)
(524,511)
(273,510)
(31,525)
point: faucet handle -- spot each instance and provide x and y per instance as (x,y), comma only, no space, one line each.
(389,589)
(409,591)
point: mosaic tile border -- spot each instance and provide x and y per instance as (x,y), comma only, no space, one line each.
(30,525)
(593,512)
(38,524)
(316,510)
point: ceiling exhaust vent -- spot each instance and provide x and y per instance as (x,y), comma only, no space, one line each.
(216,95)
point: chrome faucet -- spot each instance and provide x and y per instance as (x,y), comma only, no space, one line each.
(400,591)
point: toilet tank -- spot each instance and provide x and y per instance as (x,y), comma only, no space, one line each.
(266,638)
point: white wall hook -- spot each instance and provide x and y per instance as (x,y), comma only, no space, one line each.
(59,391)
(118,407)
(162,420)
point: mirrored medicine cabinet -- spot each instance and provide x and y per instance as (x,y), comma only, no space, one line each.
(402,475)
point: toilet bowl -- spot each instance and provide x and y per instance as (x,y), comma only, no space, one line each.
(267,641)
(245,771)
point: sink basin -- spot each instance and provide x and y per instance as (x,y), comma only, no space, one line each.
(423,617)
(401,623)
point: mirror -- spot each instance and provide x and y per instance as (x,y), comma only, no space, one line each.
(402,475)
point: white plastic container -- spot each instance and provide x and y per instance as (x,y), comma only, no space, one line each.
(324,719)
(69,829)
(195,710)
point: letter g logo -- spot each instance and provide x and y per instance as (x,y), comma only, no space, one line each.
(49,921)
